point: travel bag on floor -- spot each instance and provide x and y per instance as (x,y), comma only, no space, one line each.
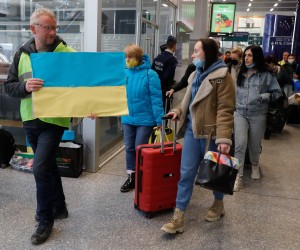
(169,132)
(157,175)
(69,159)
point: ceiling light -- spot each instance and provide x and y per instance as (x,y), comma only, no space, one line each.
(248,9)
(275,4)
(271,9)
(249,5)
(251,0)
(224,0)
(165,5)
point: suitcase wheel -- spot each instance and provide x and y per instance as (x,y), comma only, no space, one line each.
(149,215)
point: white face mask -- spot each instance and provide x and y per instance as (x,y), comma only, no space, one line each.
(291,61)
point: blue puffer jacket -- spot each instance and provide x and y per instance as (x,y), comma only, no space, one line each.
(144,96)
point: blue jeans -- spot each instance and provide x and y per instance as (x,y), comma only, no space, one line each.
(134,136)
(49,190)
(248,131)
(192,154)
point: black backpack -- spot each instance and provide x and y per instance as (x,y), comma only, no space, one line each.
(7,147)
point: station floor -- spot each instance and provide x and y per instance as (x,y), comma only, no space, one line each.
(263,215)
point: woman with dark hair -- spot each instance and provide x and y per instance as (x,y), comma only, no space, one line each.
(206,122)
(255,83)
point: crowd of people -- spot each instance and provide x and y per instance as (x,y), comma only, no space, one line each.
(225,98)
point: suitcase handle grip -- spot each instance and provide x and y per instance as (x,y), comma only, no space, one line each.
(166,117)
(163,132)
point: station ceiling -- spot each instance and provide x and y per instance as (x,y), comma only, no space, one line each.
(265,5)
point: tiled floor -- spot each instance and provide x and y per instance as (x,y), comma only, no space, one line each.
(263,215)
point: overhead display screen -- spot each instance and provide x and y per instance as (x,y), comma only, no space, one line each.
(222,19)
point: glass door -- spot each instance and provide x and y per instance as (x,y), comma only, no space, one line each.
(148,35)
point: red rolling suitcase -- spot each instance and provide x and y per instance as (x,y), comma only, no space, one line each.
(157,175)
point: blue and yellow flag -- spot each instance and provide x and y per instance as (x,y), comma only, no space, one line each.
(77,84)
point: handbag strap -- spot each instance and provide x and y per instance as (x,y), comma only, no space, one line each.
(207,143)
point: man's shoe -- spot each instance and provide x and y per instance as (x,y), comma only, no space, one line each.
(57,214)
(42,232)
(129,183)
(216,211)
(238,184)
(255,175)
(175,224)
(60,214)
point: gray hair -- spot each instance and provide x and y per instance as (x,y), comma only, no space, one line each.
(41,12)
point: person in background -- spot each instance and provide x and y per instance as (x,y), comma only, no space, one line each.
(164,65)
(183,83)
(296,68)
(285,56)
(282,77)
(290,68)
(206,122)
(255,83)
(227,58)
(44,134)
(220,54)
(144,104)
(236,62)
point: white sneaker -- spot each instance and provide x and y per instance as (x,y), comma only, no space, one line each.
(238,184)
(255,175)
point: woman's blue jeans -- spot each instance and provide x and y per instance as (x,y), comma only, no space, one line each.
(192,154)
(134,136)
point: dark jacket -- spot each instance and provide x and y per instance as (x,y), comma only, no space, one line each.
(183,83)
(13,86)
(164,65)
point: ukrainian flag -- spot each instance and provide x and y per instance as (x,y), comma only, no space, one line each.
(77,84)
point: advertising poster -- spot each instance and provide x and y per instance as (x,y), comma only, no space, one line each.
(222,19)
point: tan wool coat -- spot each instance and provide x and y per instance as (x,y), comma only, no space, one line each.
(212,108)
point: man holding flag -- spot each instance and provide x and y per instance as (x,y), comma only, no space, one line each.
(43,134)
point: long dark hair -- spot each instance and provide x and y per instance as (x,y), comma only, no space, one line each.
(258,60)
(210,48)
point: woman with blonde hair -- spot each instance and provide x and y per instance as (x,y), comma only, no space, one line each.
(144,98)
(236,62)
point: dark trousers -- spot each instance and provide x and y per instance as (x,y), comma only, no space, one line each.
(49,190)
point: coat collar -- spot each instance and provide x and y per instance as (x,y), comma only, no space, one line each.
(206,86)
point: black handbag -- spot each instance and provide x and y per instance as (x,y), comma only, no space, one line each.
(217,176)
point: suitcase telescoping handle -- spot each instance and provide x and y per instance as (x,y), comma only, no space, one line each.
(163,133)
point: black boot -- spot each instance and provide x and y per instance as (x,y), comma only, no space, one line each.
(129,183)
(42,232)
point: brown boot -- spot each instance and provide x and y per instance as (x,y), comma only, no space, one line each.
(216,211)
(175,224)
